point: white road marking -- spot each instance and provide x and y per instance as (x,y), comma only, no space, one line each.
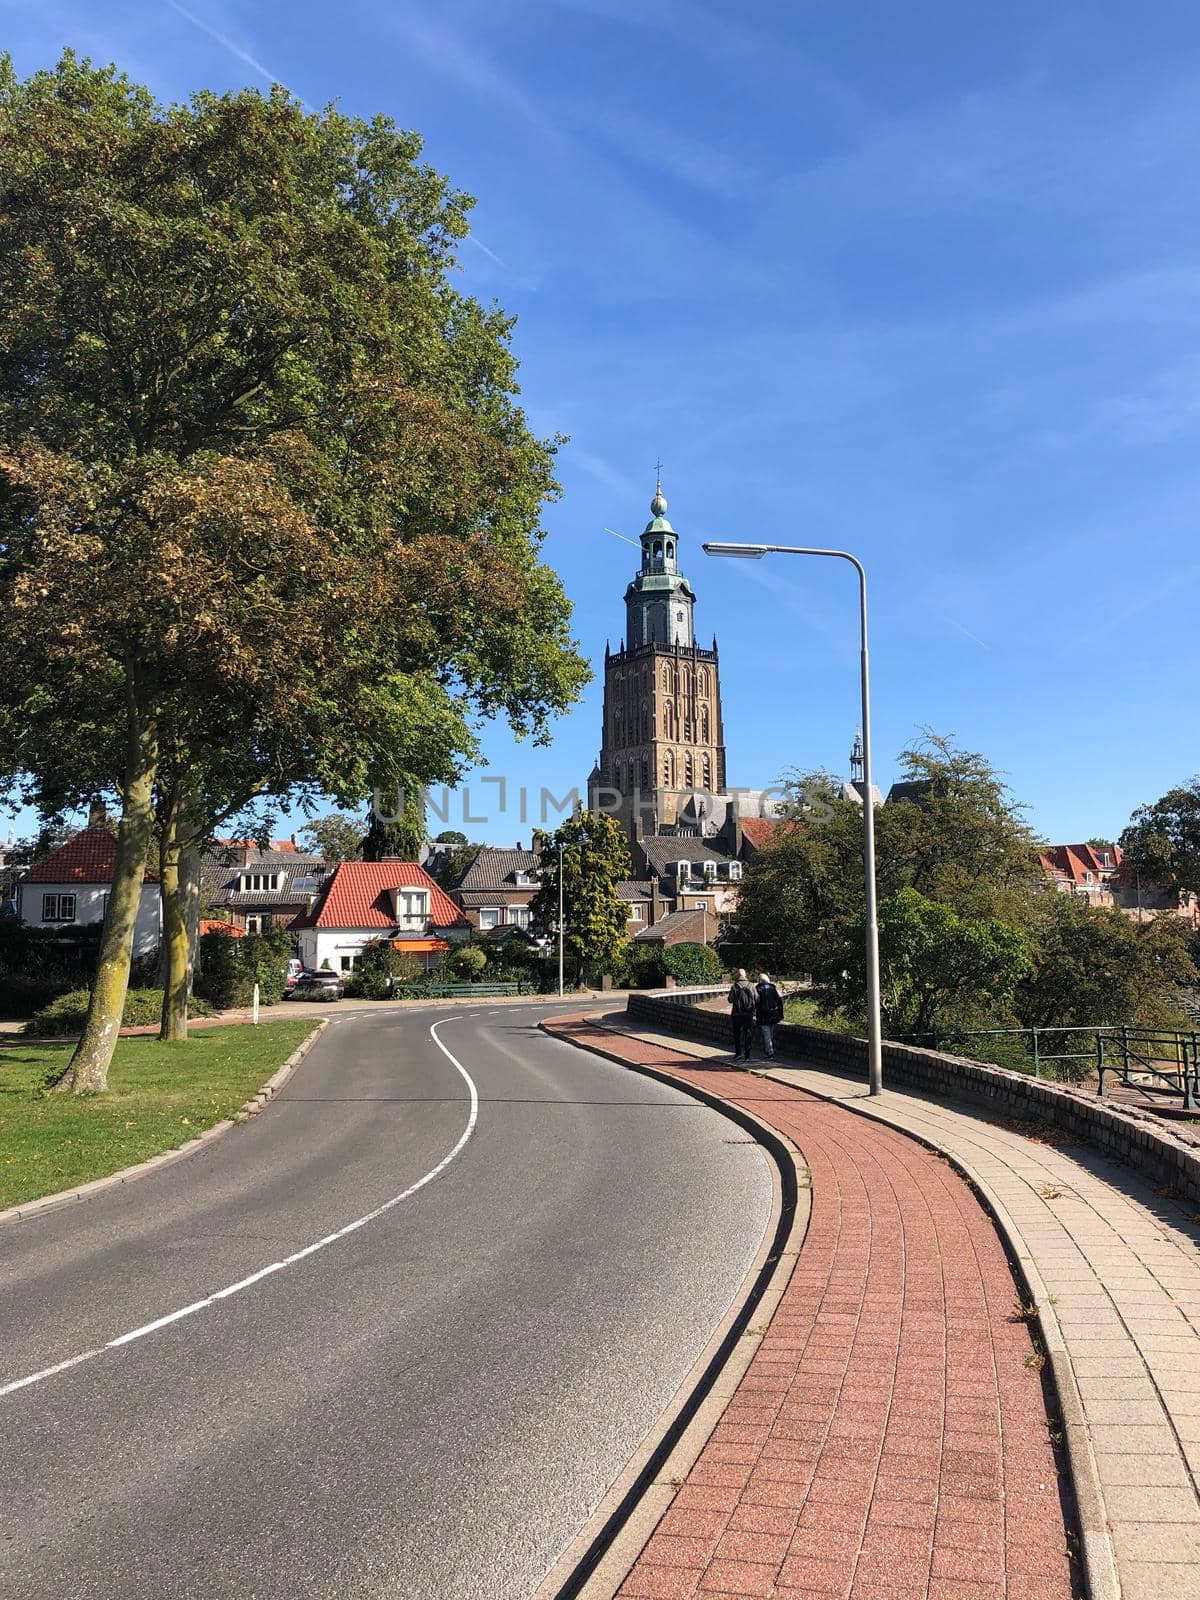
(287,1261)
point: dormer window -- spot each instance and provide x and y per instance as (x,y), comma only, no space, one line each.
(735,871)
(683,870)
(412,908)
(525,880)
(260,882)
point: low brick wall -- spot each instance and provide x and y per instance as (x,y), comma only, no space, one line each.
(1138,1137)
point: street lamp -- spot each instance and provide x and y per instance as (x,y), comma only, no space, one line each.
(755,552)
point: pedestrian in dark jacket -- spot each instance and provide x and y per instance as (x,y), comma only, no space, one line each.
(768,1011)
(742,1004)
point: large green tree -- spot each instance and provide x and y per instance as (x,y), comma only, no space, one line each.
(337,836)
(594,859)
(933,964)
(268,508)
(1095,966)
(1162,841)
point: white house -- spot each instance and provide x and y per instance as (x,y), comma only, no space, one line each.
(70,888)
(366,900)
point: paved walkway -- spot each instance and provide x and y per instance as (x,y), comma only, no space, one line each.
(1116,1267)
(889,1441)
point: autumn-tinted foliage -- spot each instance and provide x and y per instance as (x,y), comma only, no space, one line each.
(268,508)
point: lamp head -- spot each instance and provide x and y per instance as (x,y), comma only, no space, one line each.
(751,552)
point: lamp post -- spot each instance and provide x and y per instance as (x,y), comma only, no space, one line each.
(755,552)
(561,924)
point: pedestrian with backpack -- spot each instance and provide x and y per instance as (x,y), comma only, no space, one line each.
(768,1012)
(742,1005)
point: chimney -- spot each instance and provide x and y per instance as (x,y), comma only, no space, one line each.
(97,814)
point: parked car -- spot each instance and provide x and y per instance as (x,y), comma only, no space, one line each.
(294,969)
(324,983)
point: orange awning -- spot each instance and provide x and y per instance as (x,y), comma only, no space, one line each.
(419,946)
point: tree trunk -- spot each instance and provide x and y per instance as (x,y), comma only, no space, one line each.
(88,1071)
(189,889)
(173,1027)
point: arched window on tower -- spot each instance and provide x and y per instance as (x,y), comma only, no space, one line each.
(645,774)
(670,549)
(658,549)
(645,722)
(689,772)
(703,680)
(631,779)
(667,769)
(707,771)
(666,680)
(703,724)
(674,770)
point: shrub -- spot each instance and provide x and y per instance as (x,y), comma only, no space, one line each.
(370,983)
(229,968)
(468,962)
(382,957)
(691,963)
(21,995)
(143,1007)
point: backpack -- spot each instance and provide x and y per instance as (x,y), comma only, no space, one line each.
(743,1000)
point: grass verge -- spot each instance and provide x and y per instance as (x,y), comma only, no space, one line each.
(159,1097)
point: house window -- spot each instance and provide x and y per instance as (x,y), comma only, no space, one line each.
(635,913)
(258,922)
(58,908)
(735,870)
(347,963)
(259,882)
(518,916)
(489,917)
(412,906)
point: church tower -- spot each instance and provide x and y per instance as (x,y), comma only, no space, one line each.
(663,735)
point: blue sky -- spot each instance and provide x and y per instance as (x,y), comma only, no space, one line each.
(922,281)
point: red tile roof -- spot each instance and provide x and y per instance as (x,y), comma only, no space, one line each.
(762,832)
(358,895)
(87,858)
(1071,863)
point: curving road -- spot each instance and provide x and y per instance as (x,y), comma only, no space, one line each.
(426,1405)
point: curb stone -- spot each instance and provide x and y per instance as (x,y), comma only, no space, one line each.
(598,1559)
(250,1108)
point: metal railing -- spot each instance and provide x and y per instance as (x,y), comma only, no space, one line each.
(1134,1054)
(1043,1046)
(1166,1056)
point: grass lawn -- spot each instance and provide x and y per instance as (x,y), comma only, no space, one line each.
(159,1096)
(801,1009)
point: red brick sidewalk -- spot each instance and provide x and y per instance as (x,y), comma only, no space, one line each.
(889,1441)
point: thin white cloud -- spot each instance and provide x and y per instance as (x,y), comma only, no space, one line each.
(226,43)
(689,160)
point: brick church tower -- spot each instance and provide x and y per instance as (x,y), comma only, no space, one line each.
(663,734)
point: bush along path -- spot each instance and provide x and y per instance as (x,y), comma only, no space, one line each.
(891,1439)
(160,1096)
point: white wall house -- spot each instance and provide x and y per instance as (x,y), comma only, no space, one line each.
(70,888)
(367,900)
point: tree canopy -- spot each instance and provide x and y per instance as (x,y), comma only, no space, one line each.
(970,933)
(269,510)
(1162,841)
(594,859)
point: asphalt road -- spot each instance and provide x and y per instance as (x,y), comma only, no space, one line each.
(429,1405)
